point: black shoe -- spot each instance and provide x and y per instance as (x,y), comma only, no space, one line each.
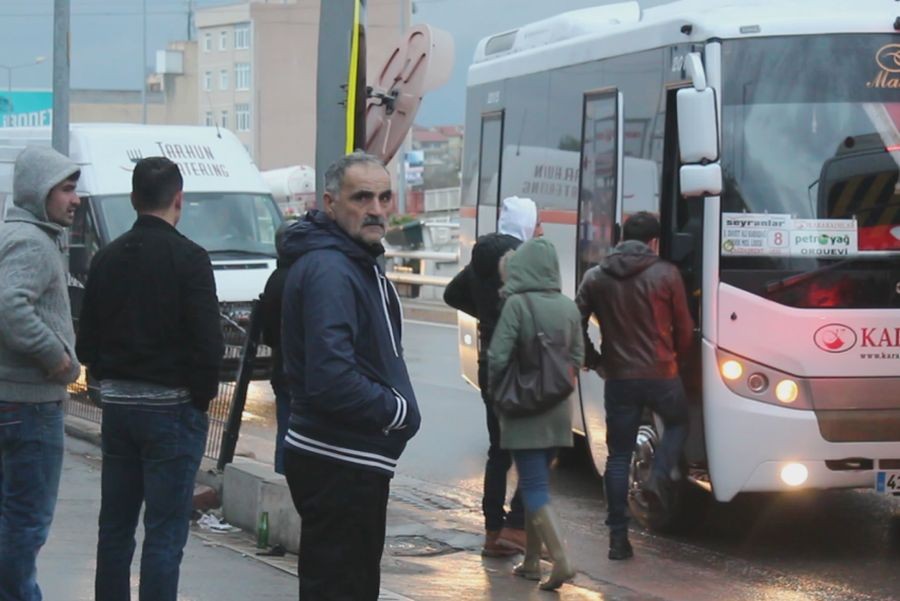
(619,547)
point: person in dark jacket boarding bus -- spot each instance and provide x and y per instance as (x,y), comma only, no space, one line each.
(352,404)
(645,326)
(476,291)
(149,332)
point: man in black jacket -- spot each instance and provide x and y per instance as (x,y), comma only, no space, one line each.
(271,331)
(476,290)
(352,404)
(149,332)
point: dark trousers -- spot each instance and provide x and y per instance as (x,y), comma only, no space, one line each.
(150,457)
(496,468)
(625,401)
(282,413)
(343,514)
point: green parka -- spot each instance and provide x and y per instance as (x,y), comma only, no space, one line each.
(534,270)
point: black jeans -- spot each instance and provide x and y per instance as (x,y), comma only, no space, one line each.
(343,512)
(495,470)
(625,402)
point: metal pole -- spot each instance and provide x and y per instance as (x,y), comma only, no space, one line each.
(144,61)
(60,135)
(401,185)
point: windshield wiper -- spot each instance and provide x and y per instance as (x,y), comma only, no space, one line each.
(238,251)
(799,278)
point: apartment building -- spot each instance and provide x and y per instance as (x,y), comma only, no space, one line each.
(256,66)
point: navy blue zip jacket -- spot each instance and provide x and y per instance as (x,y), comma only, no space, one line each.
(351,398)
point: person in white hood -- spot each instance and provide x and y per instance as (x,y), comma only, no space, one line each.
(37,360)
(476,290)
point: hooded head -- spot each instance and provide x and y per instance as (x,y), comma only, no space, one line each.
(518,217)
(38,170)
(533,266)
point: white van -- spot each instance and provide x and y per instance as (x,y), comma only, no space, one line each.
(228,208)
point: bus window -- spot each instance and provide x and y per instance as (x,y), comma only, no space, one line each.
(489,171)
(598,190)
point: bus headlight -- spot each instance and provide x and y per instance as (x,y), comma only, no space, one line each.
(732,370)
(762,383)
(794,474)
(787,391)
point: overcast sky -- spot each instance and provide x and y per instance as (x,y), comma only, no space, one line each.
(106,35)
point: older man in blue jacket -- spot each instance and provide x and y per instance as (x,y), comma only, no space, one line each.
(352,405)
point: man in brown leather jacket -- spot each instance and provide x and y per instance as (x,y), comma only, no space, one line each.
(640,303)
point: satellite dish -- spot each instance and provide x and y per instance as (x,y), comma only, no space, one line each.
(420,63)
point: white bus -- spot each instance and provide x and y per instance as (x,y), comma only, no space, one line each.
(765,135)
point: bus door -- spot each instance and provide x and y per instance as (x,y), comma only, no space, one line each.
(599,213)
(490,152)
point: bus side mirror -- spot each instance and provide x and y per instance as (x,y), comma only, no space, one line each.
(698,132)
(701,180)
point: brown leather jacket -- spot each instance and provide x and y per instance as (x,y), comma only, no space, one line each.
(641,305)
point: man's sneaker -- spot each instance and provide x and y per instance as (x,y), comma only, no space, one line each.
(494,547)
(619,547)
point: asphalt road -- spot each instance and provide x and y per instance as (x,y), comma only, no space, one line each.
(841,545)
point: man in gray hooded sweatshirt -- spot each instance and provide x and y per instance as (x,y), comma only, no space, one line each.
(37,360)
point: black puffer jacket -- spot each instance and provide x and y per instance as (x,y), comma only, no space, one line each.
(476,289)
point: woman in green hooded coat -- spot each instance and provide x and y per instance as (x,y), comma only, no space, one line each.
(533,270)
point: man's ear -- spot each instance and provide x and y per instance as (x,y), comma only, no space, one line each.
(179,200)
(654,245)
(328,204)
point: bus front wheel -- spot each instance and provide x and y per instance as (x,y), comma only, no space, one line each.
(686,506)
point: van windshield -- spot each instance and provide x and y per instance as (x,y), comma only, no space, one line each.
(231,223)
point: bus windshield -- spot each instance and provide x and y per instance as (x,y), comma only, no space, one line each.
(811,158)
(227,225)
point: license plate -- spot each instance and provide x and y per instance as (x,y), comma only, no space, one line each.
(887,482)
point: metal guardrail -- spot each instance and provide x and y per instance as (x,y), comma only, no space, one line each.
(399,277)
(427,255)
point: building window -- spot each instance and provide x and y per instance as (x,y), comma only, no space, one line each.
(223,79)
(209,119)
(242,36)
(242,117)
(224,121)
(223,40)
(207,81)
(242,76)
(207,42)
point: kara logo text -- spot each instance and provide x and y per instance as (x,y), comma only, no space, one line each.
(881,337)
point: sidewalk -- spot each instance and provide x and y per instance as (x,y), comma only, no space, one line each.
(66,564)
(431,552)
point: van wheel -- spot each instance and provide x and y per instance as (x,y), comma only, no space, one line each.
(687,504)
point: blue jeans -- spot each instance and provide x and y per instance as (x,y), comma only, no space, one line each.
(282,413)
(625,403)
(533,467)
(31,454)
(151,454)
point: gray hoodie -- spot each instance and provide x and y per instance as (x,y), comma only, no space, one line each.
(35,317)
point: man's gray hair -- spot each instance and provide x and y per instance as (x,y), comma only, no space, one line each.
(334,175)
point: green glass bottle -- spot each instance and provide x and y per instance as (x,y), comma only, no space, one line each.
(262,531)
